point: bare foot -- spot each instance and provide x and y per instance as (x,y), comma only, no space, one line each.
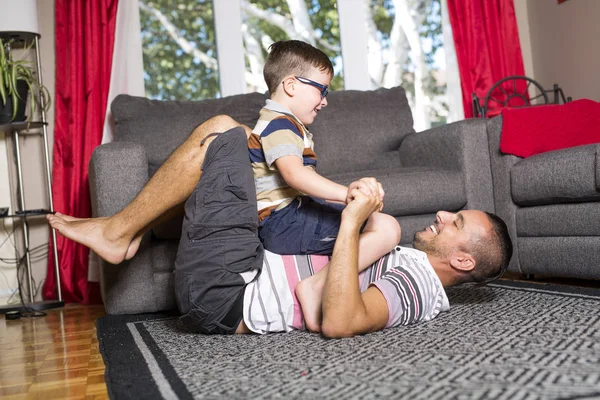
(92,232)
(133,247)
(310,294)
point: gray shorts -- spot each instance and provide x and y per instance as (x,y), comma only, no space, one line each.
(219,246)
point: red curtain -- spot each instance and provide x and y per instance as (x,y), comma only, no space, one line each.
(487,45)
(84,46)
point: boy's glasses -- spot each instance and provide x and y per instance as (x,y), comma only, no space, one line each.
(324,89)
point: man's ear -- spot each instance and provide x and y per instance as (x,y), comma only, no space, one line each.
(289,85)
(462,261)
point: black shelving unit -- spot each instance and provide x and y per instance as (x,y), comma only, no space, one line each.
(22,127)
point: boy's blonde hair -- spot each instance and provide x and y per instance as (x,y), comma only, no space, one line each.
(293,57)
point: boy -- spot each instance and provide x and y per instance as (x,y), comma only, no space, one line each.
(299,210)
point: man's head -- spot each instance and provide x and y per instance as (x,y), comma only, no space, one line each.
(475,245)
(298,76)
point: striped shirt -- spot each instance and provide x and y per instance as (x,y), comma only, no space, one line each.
(410,286)
(277,133)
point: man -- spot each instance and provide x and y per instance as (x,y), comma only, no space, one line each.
(214,267)
(405,287)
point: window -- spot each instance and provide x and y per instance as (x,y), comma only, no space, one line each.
(387,43)
(265,22)
(406,48)
(180,54)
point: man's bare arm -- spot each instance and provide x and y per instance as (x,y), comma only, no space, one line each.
(347,312)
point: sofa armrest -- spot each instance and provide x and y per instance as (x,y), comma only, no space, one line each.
(503,203)
(117,173)
(459,146)
(598,167)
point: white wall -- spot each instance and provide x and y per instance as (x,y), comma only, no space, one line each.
(564,45)
(33,166)
(524,35)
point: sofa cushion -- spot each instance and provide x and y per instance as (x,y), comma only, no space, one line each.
(561,176)
(408,191)
(161,126)
(563,256)
(350,134)
(558,220)
(418,190)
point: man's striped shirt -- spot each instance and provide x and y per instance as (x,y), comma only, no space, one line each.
(410,286)
(277,133)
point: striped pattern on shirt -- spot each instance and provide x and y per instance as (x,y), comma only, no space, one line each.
(278,133)
(405,277)
(412,289)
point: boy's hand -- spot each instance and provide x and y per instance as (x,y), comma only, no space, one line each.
(360,207)
(368,186)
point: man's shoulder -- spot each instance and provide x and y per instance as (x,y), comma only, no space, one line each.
(414,263)
(411,252)
(411,287)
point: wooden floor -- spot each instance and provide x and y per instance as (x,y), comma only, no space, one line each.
(52,357)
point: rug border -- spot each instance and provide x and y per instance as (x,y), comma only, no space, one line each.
(176,384)
(117,389)
(550,288)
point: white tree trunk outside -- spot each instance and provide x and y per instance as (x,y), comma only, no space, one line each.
(301,20)
(398,53)
(375,49)
(420,115)
(255,60)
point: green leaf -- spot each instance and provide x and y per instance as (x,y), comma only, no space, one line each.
(2,87)
(12,71)
(14,105)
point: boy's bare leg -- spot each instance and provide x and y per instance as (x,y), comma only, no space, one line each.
(118,237)
(382,232)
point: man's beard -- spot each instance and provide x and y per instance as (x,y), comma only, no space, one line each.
(430,247)
(419,243)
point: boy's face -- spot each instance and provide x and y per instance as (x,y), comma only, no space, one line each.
(307,101)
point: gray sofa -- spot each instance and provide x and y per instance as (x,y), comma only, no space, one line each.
(359,134)
(551,203)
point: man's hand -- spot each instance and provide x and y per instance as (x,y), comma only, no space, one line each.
(347,312)
(368,186)
(360,207)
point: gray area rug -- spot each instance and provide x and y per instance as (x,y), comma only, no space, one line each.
(507,340)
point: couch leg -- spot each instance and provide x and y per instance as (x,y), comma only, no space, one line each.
(528,277)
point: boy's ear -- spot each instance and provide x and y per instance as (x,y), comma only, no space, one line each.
(289,85)
(462,261)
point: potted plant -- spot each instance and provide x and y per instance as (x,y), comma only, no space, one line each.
(17,80)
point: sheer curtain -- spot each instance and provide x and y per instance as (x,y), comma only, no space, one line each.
(456,111)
